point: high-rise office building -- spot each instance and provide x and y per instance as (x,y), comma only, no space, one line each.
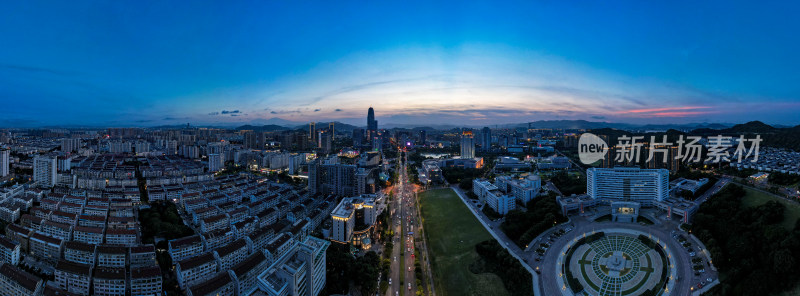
(254,140)
(4,162)
(325,143)
(299,271)
(250,140)
(486,139)
(422,137)
(312,132)
(70,144)
(358,137)
(377,143)
(214,162)
(628,184)
(120,147)
(44,171)
(141,147)
(332,131)
(64,163)
(372,124)
(467,144)
(339,179)
(352,211)
(664,157)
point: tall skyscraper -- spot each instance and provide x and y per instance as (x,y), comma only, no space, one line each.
(372,124)
(4,162)
(44,171)
(331,130)
(422,137)
(312,132)
(486,139)
(467,144)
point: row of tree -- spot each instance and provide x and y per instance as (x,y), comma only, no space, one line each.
(162,219)
(757,255)
(523,226)
(567,184)
(343,269)
(495,259)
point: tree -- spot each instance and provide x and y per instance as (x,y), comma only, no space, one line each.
(365,273)
(465,184)
(749,244)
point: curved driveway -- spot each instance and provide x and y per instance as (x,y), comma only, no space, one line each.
(549,265)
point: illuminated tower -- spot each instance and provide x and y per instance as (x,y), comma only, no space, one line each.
(467,145)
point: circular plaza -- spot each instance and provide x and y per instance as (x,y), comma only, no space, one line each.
(615,262)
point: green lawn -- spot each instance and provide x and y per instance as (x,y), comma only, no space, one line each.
(757,198)
(452,233)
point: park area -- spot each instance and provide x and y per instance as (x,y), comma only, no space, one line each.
(755,198)
(452,233)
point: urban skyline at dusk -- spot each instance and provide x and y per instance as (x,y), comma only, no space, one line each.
(414,148)
(419,63)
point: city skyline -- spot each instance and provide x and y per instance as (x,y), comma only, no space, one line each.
(426,64)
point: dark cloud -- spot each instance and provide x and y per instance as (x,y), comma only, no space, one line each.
(225,112)
(338,110)
(317,110)
(284,111)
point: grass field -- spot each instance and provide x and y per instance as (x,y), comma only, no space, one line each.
(756,198)
(452,233)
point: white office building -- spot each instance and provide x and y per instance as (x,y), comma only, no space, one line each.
(345,214)
(44,171)
(119,147)
(214,162)
(500,202)
(298,272)
(141,147)
(523,189)
(4,162)
(628,184)
(483,188)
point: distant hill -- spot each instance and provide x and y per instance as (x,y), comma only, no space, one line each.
(584,124)
(752,127)
(573,124)
(263,128)
(785,137)
(339,127)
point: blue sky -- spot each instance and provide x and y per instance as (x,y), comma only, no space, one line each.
(230,62)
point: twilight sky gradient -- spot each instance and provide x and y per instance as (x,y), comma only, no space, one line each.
(229,62)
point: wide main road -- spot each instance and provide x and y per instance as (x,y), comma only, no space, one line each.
(405,216)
